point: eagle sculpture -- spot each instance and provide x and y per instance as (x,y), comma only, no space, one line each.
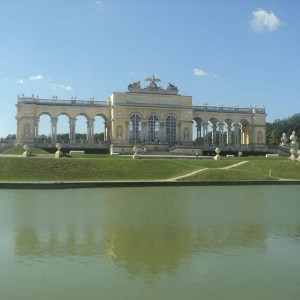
(153,80)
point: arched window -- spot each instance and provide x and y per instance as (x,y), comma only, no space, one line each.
(135,128)
(171,129)
(153,128)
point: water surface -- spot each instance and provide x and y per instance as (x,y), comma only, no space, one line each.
(150,243)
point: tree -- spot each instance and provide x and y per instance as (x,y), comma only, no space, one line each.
(278,127)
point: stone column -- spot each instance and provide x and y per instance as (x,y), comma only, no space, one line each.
(229,141)
(214,134)
(18,135)
(198,126)
(221,133)
(37,120)
(205,129)
(251,137)
(144,131)
(72,122)
(53,130)
(236,134)
(162,132)
(178,132)
(90,131)
(104,132)
(108,131)
(127,137)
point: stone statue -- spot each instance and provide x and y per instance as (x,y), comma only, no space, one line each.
(283,140)
(135,85)
(135,152)
(293,138)
(119,132)
(172,88)
(26,130)
(152,88)
(153,81)
(259,137)
(294,145)
(186,134)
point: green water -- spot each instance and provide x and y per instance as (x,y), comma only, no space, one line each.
(150,243)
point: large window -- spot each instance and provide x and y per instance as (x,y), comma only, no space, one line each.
(135,128)
(171,129)
(153,128)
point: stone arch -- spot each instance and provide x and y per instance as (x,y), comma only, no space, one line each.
(43,127)
(198,131)
(62,113)
(136,113)
(81,128)
(153,113)
(100,128)
(245,132)
(44,112)
(62,132)
(82,115)
(171,114)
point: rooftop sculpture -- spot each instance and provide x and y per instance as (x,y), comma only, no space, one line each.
(152,88)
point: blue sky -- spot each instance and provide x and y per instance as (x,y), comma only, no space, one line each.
(229,52)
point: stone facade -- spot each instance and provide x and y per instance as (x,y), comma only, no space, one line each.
(147,116)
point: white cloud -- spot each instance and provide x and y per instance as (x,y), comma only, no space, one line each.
(37,77)
(100,4)
(55,86)
(264,21)
(65,87)
(197,72)
(21,81)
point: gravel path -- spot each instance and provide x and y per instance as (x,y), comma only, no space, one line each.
(204,169)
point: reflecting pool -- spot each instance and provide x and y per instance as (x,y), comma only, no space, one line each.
(236,242)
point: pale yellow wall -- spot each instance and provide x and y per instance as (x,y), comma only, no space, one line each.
(117,116)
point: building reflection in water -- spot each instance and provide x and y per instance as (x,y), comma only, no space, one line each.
(141,230)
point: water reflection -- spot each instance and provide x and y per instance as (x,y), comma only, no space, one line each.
(29,242)
(166,243)
(148,235)
(142,232)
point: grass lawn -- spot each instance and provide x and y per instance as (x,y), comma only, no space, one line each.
(103,167)
(20,150)
(257,168)
(98,167)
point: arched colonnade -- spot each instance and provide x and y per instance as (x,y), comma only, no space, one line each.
(136,118)
(72,128)
(229,132)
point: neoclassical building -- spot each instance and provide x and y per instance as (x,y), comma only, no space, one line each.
(152,117)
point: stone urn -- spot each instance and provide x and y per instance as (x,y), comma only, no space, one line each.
(58,153)
(26,153)
(135,152)
(218,151)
